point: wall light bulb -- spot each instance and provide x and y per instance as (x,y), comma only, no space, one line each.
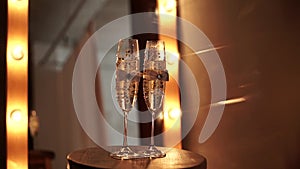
(16,0)
(16,115)
(171,59)
(174,113)
(170,5)
(17,53)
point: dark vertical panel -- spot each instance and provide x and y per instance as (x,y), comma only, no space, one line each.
(138,6)
(30,80)
(3,33)
(30,93)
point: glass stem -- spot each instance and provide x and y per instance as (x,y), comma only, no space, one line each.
(152,129)
(125,144)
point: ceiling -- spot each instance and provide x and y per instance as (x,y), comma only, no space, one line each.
(58,26)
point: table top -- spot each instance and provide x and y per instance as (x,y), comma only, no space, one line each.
(97,157)
(34,154)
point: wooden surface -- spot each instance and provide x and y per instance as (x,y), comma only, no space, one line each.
(40,159)
(91,158)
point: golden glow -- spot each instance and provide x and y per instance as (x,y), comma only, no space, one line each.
(232,101)
(16,115)
(207,50)
(167,6)
(17,53)
(172,58)
(170,5)
(174,113)
(172,116)
(172,122)
(17,84)
(161,116)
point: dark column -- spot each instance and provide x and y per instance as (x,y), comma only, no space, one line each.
(138,6)
(3,33)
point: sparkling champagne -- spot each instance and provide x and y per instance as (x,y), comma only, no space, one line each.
(127,69)
(154,81)
(126,83)
(154,87)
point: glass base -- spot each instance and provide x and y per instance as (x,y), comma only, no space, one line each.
(153,152)
(124,153)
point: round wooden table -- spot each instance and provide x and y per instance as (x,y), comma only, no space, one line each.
(92,158)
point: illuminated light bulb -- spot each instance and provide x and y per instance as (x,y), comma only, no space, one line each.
(174,113)
(170,5)
(15,1)
(16,115)
(171,59)
(161,116)
(17,53)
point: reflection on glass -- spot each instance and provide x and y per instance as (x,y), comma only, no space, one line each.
(154,84)
(127,79)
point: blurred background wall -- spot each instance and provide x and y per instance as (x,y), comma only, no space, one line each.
(57,37)
(259,48)
(261,62)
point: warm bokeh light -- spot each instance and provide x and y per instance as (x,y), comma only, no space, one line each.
(172,124)
(17,53)
(167,6)
(174,113)
(17,85)
(16,115)
(231,101)
(161,116)
(172,58)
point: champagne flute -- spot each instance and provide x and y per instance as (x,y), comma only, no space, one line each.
(127,80)
(155,76)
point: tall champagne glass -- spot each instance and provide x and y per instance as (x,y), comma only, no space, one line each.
(154,82)
(127,80)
